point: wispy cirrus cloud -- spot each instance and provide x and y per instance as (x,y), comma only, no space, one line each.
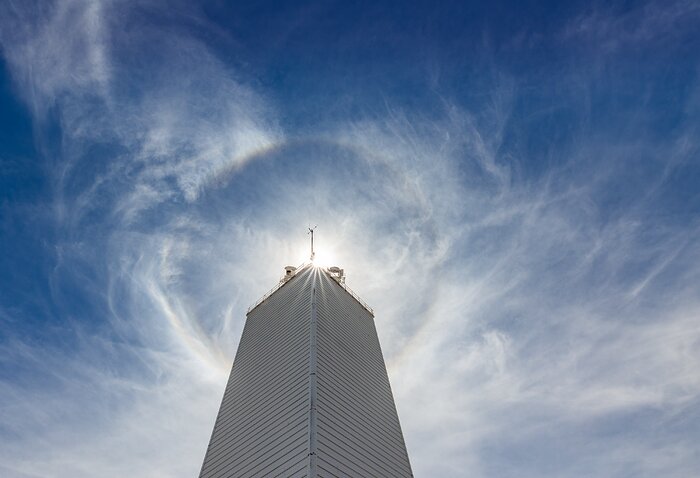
(171,127)
(612,27)
(57,50)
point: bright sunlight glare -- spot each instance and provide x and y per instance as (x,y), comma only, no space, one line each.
(324,258)
(324,254)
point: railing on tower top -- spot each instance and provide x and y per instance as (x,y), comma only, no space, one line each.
(357,297)
(273,290)
(282,282)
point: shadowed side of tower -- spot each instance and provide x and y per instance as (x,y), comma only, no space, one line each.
(308,393)
(262,426)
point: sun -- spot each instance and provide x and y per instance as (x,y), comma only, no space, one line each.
(324,258)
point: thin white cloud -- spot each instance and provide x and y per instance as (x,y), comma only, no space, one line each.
(57,49)
(610,29)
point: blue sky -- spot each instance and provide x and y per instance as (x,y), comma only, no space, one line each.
(513,187)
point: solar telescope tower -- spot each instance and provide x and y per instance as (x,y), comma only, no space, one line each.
(308,394)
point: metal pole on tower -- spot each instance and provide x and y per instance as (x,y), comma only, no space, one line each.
(311,231)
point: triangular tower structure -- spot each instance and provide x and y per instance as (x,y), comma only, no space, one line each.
(308,394)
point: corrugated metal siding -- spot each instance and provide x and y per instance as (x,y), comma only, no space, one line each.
(358,428)
(262,426)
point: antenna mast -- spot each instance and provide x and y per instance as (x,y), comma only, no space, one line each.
(311,231)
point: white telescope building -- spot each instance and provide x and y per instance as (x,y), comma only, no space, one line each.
(308,394)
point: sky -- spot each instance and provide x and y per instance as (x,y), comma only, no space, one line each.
(514,187)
